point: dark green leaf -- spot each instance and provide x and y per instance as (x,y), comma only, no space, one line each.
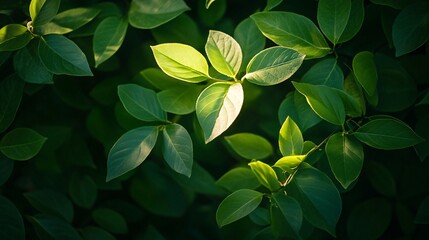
(43,11)
(250,39)
(6,168)
(286,216)
(273,66)
(326,72)
(294,31)
(151,233)
(291,141)
(60,55)
(52,203)
(91,233)
(179,100)
(395,4)
(422,216)
(29,67)
(354,24)
(21,144)
(296,106)
(14,37)
(265,175)
(53,227)
(157,193)
(324,101)
(11,224)
(217,107)
(272,4)
(366,72)
(237,205)
(11,90)
(141,102)
(396,88)
(333,16)
(130,151)
(244,144)
(110,220)
(260,216)
(238,178)
(181,61)
(150,14)
(381,179)
(411,28)
(355,94)
(177,149)
(83,191)
(345,156)
(224,53)
(318,197)
(68,21)
(387,134)
(108,38)
(182,29)
(157,78)
(369,219)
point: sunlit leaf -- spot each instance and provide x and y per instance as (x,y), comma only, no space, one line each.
(217,108)
(265,174)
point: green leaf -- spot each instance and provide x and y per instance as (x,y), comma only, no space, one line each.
(90,233)
(293,31)
(108,38)
(83,191)
(217,107)
(43,11)
(266,175)
(290,163)
(181,61)
(52,203)
(273,66)
(272,4)
(60,55)
(209,2)
(11,90)
(14,37)
(237,205)
(28,66)
(10,221)
(6,168)
(422,216)
(250,39)
(141,103)
(291,141)
(157,193)
(295,105)
(238,178)
(332,16)
(396,88)
(387,134)
(286,216)
(224,53)
(325,72)
(244,144)
(179,100)
(110,220)
(21,144)
(410,29)
(369,219)
(345,156)
(395,4)
(355,94)
(177,149)
(354,24)
(381,179)
(68,21)
(148,14)
(158,79)
(260,216)
(365,71)
(130,151)
(318,197)
(52,227)
(182,29)
(324,101)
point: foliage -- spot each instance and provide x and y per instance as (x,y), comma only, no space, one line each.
(178,119)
